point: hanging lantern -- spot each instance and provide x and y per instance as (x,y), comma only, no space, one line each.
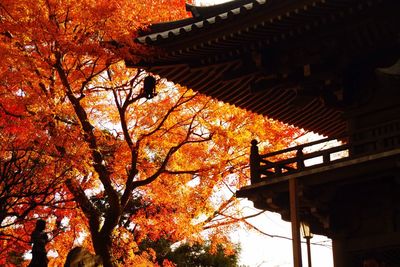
(149,87)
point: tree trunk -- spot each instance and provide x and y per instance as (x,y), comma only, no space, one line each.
(103,246)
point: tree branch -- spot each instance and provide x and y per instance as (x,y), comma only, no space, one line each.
(114,211)
(87,207)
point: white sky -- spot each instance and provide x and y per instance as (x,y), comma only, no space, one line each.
(262,251)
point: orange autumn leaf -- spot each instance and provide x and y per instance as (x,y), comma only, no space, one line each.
(126,168)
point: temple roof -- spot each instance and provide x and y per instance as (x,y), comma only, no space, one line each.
(279,58)
(202,16)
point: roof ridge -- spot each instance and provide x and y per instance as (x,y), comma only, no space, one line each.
(203,12)
(201,16)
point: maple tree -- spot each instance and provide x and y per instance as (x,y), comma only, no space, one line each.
(136,168)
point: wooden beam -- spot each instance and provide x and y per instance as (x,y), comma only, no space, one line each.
(294,218)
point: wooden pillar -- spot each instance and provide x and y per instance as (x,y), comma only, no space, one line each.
(294,218)
(339,253)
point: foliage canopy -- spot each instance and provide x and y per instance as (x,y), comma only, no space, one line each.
(81,144)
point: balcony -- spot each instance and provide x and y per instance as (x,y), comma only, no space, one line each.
(316,155)
(352,174)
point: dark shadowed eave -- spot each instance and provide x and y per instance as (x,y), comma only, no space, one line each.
(269,57)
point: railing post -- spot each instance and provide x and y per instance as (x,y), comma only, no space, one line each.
(254,163)
(326,157)
(278,170)
(300,159)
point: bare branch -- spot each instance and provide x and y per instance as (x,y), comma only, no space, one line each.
(181,101)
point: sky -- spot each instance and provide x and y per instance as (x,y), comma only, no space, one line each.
(261,250)
(258,250)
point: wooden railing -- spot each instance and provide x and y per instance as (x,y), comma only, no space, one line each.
(262,165)
(371,140)
(378,138)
